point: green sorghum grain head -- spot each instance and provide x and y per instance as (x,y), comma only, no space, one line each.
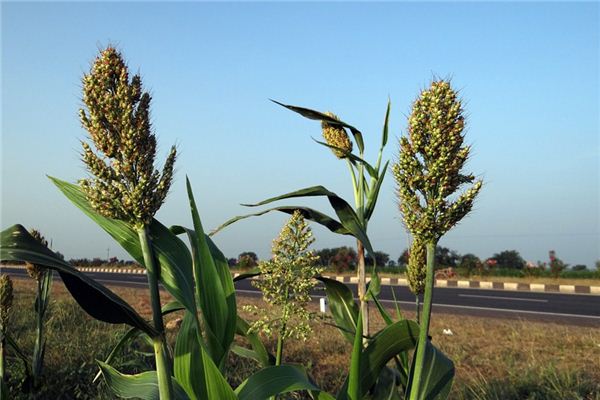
(417,266)
(286,282)
(124,183)
(429,168)
(336,135)
(36,271)
(6,300)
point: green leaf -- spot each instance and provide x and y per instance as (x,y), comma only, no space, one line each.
(247,275)
(354,384)
(344,211)
(214,288)
(372,172)
(316,115)
(437,375)
(132,333)
(195,369)
(16,244)
(384,135)
(259,352)
(172,253)
(308,213)
(141,386)
(374,193)
(274,380)
(387,343)
(342,305)
(187,363)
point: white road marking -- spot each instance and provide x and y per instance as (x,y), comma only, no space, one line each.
(502,298)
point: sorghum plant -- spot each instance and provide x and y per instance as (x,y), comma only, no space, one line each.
(428,175)
(366,182)
(43,279)
(125,184)
(6,300)
(286,281)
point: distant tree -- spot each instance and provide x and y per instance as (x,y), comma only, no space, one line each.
(325,255)
(471,263)
(579,267)
(381,259)
(391,263)
(556,264)
(509,259)
(247,260)
(444,257)
(403,259)
(344,259)
(598,265)
(232,262)
(250,254)
(59,255)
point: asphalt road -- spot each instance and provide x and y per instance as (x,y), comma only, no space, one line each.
(574,309)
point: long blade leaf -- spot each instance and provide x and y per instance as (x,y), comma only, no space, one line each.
(141,386)
(344,211)
(16,244)
(308,213)
(319,116)
(172,253)
(342,305)
(274,380)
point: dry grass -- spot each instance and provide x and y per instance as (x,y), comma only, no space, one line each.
(494,358)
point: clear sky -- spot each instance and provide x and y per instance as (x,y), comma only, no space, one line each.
(528,72)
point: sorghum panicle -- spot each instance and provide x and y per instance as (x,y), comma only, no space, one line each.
(286,281)
(336,135)
(125,184)
(429,167)
(36,271)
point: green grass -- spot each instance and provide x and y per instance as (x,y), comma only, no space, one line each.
(495,359)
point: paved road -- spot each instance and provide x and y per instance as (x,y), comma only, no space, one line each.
(578,309)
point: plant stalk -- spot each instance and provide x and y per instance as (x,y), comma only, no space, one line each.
(2,346)
(362,287)
(279,356)
(163,371)
(418,308)
(424,326)
(37,349)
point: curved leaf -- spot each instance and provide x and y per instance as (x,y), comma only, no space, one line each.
(16,244)
(141,386)
(392,340)
(438,375)
(247,275)
(272,381)
(342,305)
(372,171)
(308,213)
(316,115)
(195,369)
(172,253)
(132,333)
(259,352)
(344,211)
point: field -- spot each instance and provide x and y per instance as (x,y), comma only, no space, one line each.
(494,358)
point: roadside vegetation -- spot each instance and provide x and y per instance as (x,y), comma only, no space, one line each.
(495,359)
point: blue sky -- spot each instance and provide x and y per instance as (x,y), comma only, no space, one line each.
(528,73)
